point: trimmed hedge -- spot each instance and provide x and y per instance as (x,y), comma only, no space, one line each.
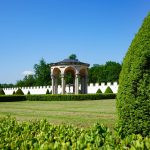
(12,98)
(133,98)
(2,92)
(108,90)
(99,91)
(49,97)
(19,92)
(47,91)
(70,97)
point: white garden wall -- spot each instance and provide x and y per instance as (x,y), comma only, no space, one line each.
(92,88)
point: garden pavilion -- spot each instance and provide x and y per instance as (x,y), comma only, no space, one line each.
(77,69)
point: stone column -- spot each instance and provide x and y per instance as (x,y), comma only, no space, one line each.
(82,85)
(74,86)
(85,85)
(77,84)
(63,84)
(53,81)
(56,85)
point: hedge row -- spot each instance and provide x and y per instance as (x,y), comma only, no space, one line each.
(70,97)
(79,97)
(12,98)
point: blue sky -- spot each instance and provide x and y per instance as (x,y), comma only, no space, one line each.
(95,30)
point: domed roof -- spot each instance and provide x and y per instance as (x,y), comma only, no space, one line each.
(69,62)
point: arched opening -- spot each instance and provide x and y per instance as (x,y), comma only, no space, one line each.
(70,80)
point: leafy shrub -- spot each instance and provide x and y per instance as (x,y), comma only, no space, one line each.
(99,91)
(108,90)
(2,92)
(133,98)
(19,92)
(40,134)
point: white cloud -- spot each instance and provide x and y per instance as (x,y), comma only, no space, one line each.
(28,72)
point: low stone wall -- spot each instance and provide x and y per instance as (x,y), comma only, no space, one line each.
(92,88)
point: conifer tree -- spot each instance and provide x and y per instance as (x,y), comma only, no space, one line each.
(2,92)
(108,90)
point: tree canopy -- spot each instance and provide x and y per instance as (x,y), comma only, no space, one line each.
(104,73)
(73,56)
(42,73)
(97,74)
(40,78)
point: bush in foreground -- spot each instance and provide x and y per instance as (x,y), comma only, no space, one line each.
(40,134)
(133,98)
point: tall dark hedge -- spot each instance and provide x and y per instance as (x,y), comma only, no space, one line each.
(133,98)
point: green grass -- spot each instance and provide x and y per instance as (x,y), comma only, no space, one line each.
(78,113)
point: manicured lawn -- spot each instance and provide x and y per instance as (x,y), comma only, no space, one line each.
(78,113)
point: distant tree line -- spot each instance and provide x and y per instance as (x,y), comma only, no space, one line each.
(97,74)
(40,78)
(104,73)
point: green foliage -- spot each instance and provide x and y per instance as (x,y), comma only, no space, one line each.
(104,73)
(133,98)
(70,97)
(2,92)
(28,80)
(42,73)
(13,93)
(73,56)
(12,98)
(40,134)
(19,92)
(41,76)
(99,91)
(97,74)
(49,97)
(6,85)
(108,90)
(69,79)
